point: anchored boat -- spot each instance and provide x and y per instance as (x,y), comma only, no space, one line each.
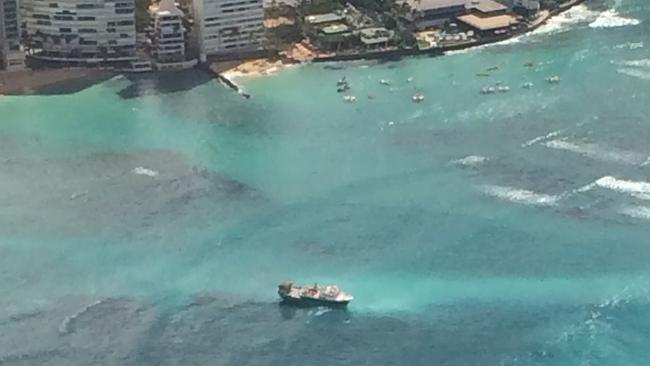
(313,295)
(553,79)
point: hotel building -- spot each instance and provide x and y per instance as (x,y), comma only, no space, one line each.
(80,31)
(228,27)
(11,55)
(167,37)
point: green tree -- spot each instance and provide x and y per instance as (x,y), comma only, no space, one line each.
(141,14)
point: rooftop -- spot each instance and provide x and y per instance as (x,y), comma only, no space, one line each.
(423,5)
(324,18)
(279,21)
(485,6)
(488,23)
(335,28)
(376,35)
(165,8)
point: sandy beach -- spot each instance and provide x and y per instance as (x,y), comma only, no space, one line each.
(253,68)
(51,81)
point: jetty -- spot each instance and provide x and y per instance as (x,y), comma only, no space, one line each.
(219,71)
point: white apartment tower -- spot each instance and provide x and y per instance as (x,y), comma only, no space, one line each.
(81,31)
(225,27)
(166,34)
(11,55)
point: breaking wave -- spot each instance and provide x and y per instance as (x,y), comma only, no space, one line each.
(636,63)
(65,326)
(630,45)
(610,19)
(635,73)
(598,153)
(624,186)
(564,22)
(541,138)
(637,212)
(471,160)
(144,171)
(521,195)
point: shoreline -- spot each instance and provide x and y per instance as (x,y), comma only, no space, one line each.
(71,80)
(266,67)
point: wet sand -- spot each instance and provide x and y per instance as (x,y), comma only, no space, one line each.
(51,81)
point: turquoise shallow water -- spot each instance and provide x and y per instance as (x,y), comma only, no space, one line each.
(507,229)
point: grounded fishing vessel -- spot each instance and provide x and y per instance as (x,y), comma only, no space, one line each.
(314,295)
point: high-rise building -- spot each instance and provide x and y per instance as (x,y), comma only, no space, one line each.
(225,27)
(167,36)
(81,31)
(11,55)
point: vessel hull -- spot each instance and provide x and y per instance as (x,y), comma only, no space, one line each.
(308,302)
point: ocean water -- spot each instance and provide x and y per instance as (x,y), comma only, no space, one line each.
(147,228)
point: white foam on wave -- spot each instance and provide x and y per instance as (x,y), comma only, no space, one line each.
(521,195)
(637,212)
(471,160)
(630,45)
(597,152)
(624,186)
(635,73)
(642,196)
(144,171)
(611,19)
(64,327)
(541,138)
(566,20)
(635,63)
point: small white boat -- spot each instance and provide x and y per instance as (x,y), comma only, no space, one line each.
(417,98)
(488,90)
(350,98)
(409,79)
(553,79)
(503,89)
(528,85)
(384,82)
